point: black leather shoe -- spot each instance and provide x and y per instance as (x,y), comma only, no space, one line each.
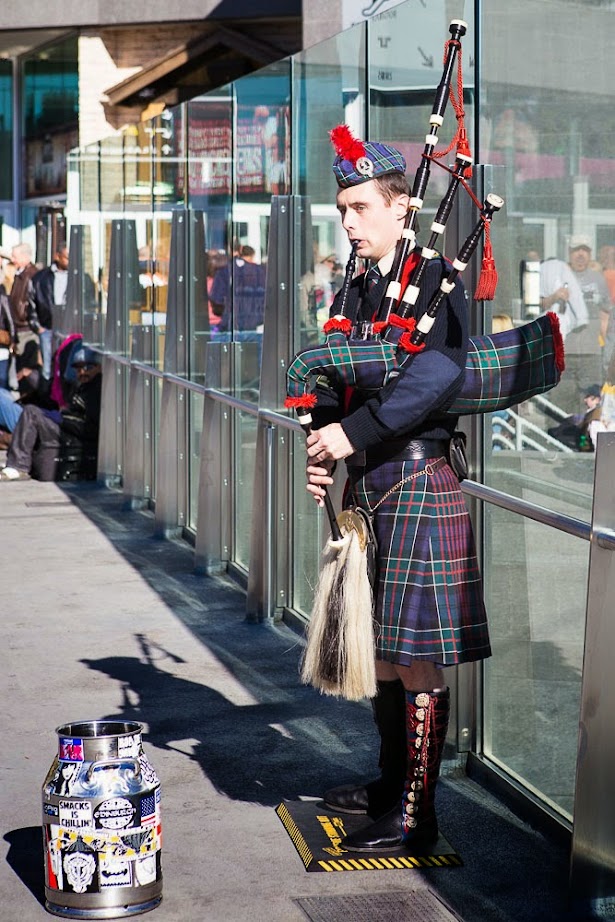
(374,798)
(382,835)
(348,798)
(385,834)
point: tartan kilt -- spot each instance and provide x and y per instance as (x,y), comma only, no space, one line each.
(428,594)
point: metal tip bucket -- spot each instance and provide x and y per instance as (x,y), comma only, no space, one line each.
(102,831)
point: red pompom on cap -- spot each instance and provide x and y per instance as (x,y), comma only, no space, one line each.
(346,145)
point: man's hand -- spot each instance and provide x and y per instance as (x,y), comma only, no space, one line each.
(319,478)
(324,447)
(329,444)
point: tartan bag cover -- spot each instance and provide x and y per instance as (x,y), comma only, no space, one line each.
(364,363)
(503,369)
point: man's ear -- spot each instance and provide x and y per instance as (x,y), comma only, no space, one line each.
(400,206)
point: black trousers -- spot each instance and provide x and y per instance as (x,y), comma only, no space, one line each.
(34,432)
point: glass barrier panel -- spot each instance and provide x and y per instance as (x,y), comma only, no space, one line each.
(112,174)
(262,169)
(196,431)
(168,145)
(245,426)
(209,132)
(137,188)
(156,405)
(328,89)
(535,585)
(92,323)
(160,285)
(544,134)
(87,163)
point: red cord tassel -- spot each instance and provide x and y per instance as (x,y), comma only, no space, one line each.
(406,344)
(558,341)
(307,401)
(463,148)
(488,279)
(338,325)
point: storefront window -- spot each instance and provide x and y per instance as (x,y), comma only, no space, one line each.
(6,129)
(51,111)
(542,133)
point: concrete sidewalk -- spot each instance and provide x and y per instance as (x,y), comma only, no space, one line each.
(100,619)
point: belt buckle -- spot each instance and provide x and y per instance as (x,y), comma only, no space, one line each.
(431,468)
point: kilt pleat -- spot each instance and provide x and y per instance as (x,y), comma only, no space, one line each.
(428,596)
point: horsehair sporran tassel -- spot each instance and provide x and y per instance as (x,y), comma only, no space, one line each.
(339,657)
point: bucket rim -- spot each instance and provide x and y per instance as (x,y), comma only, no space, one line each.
(75,728)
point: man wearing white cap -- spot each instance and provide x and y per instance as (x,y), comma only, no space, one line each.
(589,344)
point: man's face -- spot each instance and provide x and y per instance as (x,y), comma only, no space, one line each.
(86,373)
(579,259)
(61,259)
(19,258)
(591,402)
(369,220)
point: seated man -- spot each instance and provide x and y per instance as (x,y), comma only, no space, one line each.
(574,431)
(39,429)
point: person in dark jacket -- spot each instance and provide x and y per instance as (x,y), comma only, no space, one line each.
(21,296)
(50,290)
(40,428)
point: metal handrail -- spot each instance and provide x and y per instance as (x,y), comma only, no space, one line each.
(480,491)
(522,507)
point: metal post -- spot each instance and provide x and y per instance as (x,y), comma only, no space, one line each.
(592,868)
(265,550)
(212,545)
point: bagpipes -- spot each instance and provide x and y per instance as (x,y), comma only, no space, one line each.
(502,369)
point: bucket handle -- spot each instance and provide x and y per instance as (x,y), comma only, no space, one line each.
(107,763)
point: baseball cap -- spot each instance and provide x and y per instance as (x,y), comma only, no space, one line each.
(578,241)
(594,390)
(85,356)
(359,161)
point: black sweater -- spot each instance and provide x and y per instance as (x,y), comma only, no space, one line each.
(410,404)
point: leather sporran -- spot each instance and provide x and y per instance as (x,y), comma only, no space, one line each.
(458,459)
(357,519)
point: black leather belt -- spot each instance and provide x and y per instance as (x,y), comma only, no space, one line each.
(402,450)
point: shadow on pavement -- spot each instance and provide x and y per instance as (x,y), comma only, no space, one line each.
(23,844)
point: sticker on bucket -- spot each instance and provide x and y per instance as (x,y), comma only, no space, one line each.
(116,813)
(70,749)
(76,814)
(129,747)
(115,873)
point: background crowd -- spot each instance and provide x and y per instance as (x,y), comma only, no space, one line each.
(50,386)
